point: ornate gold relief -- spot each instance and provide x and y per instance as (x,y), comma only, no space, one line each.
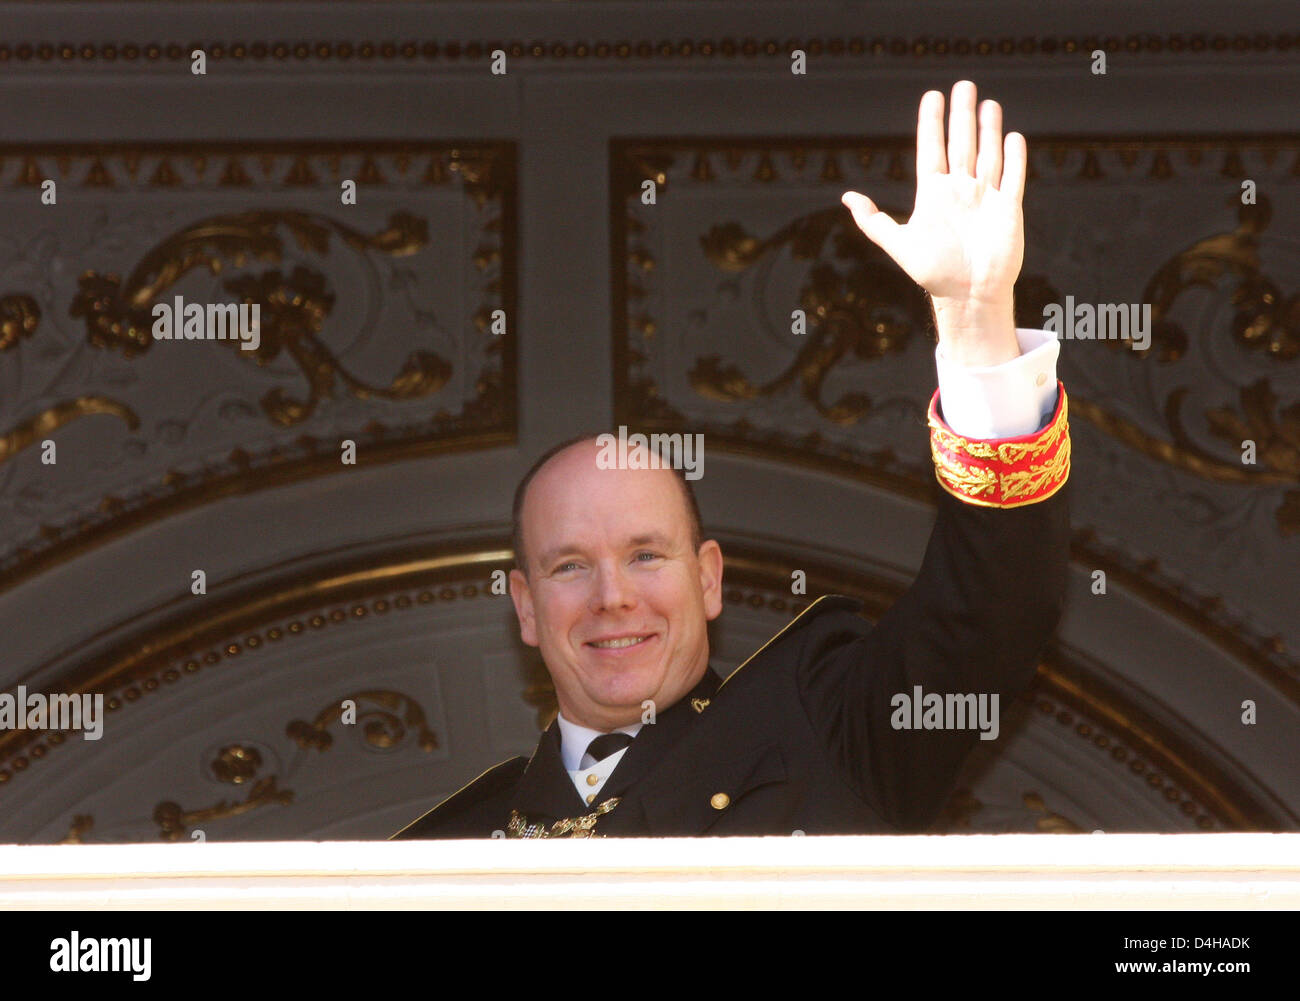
(296,302)
(19,318)
(1277,441)
(382,728)
(78,829)
(50,420)
(119,315)
(856,308)
(237,764)
(293,308)
(387,718)
(1264,318)
(845,309)
(174,822)
(856,303)
(20,315)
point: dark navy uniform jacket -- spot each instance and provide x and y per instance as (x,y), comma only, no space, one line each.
(799,737)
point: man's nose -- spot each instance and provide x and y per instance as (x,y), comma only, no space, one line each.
(613,590)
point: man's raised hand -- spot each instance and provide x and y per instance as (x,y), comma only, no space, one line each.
(965,241)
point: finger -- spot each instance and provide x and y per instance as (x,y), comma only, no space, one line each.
(961,129)
(988,163)
(1016,162)
(878,226)
(930,157)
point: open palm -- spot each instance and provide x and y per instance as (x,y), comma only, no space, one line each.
(965,240)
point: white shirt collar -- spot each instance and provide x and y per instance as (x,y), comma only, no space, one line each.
(575,738)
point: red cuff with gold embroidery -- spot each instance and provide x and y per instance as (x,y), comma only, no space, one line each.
(1002,472)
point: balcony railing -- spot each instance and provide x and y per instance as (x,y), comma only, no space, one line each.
(1013,871)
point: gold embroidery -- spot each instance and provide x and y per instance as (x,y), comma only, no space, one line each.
(1010,451)
(1053,476)
(1037,478)
(699,705)
(1013,451)
(962,446)
(970,480)
(572,827)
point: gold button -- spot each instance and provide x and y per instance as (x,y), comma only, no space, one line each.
(591,796)
(592,779)
(720,801)
(1042,378)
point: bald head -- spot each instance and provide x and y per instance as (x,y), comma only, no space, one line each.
(690,506)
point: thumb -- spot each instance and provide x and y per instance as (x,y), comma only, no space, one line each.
(878,226)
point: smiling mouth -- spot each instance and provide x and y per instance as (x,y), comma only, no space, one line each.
(622,643)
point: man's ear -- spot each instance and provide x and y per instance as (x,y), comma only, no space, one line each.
(522,596)
(710,559)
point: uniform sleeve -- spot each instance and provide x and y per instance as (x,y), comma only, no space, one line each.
(975,620)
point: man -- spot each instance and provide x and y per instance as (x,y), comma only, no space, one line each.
(615,585)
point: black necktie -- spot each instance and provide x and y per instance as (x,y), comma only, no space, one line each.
(609,743)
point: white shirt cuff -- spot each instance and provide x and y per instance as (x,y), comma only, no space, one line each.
(1001,401)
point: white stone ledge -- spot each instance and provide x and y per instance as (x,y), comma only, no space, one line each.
(1009,871)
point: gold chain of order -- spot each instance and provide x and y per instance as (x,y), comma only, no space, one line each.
(570,827)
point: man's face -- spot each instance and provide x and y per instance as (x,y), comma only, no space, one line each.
(616,598)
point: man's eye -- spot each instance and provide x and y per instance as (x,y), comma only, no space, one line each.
(648,555)
(565,567)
